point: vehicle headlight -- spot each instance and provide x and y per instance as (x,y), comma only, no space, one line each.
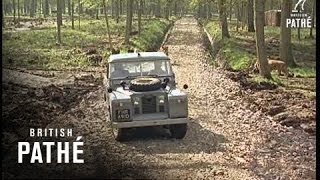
(120,104)
(161,99)
(180,100)
(136,101)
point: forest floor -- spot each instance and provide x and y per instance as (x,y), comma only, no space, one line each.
(233,131)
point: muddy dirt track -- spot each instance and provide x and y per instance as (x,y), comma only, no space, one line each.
(227,137)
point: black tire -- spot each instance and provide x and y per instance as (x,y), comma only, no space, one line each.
(178,131)
(119,134)
(104,96)
(145,84)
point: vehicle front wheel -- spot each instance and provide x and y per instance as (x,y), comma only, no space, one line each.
(119,134)
(178,131)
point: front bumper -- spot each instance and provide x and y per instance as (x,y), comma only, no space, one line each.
(144,123)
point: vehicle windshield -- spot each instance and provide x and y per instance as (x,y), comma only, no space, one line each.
(144,68)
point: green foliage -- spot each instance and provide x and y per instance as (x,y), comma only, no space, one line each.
(238,55)
(152,35)
(274,80)
(213,28)
(38,49)
(303,71)
(237,58)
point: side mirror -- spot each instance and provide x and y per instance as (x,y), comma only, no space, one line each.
(164,85)
(109,90)
(185,86)
(123,83)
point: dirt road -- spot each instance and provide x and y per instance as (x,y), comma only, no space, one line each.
(225,140)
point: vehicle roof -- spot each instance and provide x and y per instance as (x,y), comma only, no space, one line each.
(144,56)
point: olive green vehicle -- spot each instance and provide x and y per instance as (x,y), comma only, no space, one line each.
(140,91)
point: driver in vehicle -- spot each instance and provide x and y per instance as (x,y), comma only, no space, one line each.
(119,71)
(157,69)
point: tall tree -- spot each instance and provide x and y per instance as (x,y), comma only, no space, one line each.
(139,16)
(285,35)
(69,7)
(107,22)
(14,10)
(312,17)
(32,9)
(223,19)
(260,42)
(72,14)
(18,11)
(63,6)
(3,8)
(59,19)
(117,10)
(238,15)
(250,16)
(120,7)
(167,9)
(112,9)
(46,8)
(79,11)
(128,21)
(158,9)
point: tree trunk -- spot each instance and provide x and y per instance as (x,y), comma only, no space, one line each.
(128,21)
(312,17)
(260,42)
(72,15)
(158,9)
(285,35)
(69,7)
(46,8)
(14,10)
(63,6)
(176,8)
(107,22)
(139,17)
(117,11)
(250,16)
(97,13)
(242,15)
(112,9)
(40,7)
(223,19)
(79,13)
(80,7)
(59,19)
(3,8)
(120,7)
(230,11)
(32,8)
(238,15)
(18,11)
(168,6)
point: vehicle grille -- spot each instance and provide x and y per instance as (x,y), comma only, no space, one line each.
(149,104)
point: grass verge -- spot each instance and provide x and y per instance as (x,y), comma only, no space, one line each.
(239,50)
(37,48)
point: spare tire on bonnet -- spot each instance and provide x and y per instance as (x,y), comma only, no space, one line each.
(145,84)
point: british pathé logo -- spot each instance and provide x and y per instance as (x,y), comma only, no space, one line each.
(63,149)
(298,18)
